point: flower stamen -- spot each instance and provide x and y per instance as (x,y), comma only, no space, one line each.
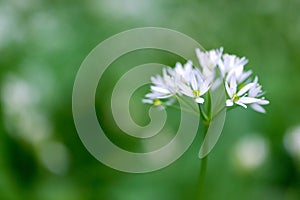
(157,102)
(196,93)
(235,98)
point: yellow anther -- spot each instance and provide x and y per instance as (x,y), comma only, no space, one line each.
(196,93)
(235,98)
(157,102)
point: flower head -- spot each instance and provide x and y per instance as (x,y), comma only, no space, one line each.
(183,72)
(196,86)
(238,97)
(193,82)
(256,92)
(208,61)
(163,86)
(231,64)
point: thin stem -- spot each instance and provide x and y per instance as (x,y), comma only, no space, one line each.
(203,166)
(208,108)
(203,115)
(206,116)
(202,175)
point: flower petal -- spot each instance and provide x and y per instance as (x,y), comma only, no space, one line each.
(199,100)
(263,102)
(245,89)
(229,102)
(193,82)
(229,92)
(149,101)
(241,104)
(158,96)
(258,108)
(248,100)
(159,89)
(244,76)
(233,84)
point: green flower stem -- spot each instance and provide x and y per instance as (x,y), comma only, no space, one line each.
(208,107)
(203,115)
(206,118)
(203,166)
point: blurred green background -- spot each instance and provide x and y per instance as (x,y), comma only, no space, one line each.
(42,44)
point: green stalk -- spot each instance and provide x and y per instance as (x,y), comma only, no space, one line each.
(206,118)
(203,167)
(203,115)
(208,107)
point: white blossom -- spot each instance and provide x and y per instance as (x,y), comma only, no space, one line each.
(183,72)
(239,74)
(238,97)
(208,61)
(231,64)
(256,92)
(163,86)
(193,82)
(196,87)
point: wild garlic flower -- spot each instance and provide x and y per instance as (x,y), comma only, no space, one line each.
(194,83)
(196,86)
(190,81)
(238,97)
(256,92)
(163,86)
(231,64)
(208,61)
(180,80)
(183,72)
(158,102)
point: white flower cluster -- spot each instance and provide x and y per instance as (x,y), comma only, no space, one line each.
(217,68)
